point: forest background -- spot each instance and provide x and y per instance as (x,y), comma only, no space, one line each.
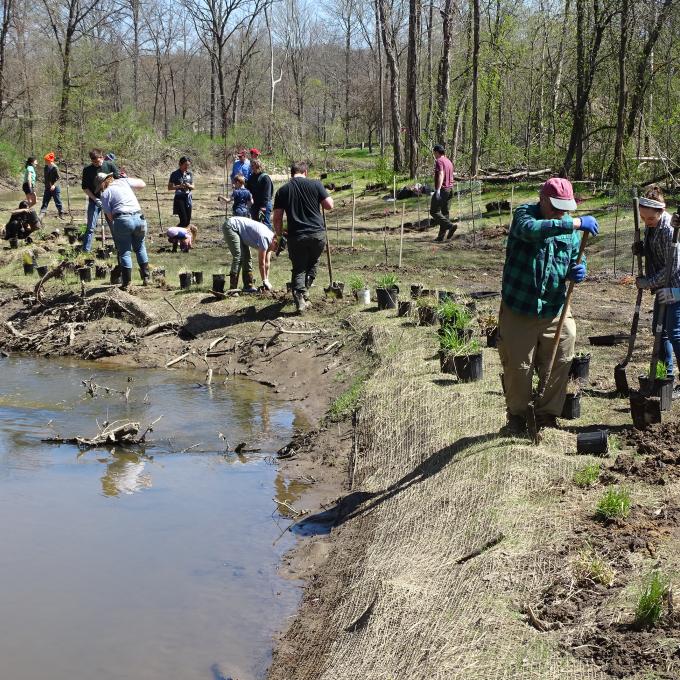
(586,88)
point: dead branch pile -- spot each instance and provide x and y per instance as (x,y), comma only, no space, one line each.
(119,433)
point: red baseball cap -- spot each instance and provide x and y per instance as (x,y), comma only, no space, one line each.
(255,152)
(560,192)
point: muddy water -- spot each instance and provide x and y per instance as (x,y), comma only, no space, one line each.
(149,565)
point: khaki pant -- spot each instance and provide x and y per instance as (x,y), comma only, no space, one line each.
(523,340)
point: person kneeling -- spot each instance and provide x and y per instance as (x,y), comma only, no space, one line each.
(184,238)
(241,234)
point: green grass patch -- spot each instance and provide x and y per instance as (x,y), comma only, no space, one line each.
(650,603)
(348,401)
(614,504)
(587,475)
(591,566)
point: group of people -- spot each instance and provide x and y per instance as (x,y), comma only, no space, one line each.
(51,179)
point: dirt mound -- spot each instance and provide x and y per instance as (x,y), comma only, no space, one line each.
(660,447)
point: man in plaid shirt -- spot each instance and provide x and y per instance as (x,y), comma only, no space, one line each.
(540,256)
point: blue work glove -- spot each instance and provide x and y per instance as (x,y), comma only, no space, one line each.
(577,272)
(589,224)
(642,282)
(668,296)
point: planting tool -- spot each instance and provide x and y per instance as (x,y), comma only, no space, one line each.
(333,288)
(68,195)
(620,369)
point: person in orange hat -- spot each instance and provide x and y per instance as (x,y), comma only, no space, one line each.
(52,190)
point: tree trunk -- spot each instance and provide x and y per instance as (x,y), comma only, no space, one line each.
(444,74)
(381,80)
(413,115)
(430,76)
(474,162)
(7,12)
(616,169)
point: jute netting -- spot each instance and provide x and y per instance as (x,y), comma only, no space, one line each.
(419,602)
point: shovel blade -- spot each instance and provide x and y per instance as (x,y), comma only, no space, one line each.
(621,381)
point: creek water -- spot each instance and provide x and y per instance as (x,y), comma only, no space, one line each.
(139,565)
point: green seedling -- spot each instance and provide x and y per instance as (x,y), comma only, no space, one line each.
(590,566)
(650,604)
(614,504)
(661,372)
(614,443)
(387,281)
(453,314)
(587,475)
(356,282)
(427,301)
(348,401)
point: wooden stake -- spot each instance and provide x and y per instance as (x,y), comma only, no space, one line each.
(337,230)
(158,203)
(401,234)
(354,211)
(616,223)
(472,203)
(68,195)
(394,192)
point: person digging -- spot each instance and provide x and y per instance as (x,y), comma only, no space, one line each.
(541,256)
(241,234)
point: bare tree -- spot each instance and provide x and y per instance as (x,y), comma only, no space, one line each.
(412,66)
(7,10)
(474,162)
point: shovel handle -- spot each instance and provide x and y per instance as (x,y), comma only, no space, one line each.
(328,248)
(563,316)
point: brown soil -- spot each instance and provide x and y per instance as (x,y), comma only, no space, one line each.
(659,454)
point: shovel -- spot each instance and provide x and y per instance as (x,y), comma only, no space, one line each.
(531,415)
(620,370)
(333,289)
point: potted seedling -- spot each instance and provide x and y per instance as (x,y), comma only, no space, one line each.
(387,291)
(362,294)
(416,290)
(404,307)
(453,315)
(489,326)
(197,278)
(218,281)
(427,311)
(184,280)
(661,386)
(572,402)
(458,356)
(580,366)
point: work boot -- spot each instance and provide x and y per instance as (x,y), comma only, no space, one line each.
(233,281)
(249,283)
(116,277)
(126,277)
(440,236)
(309,282)
(544,420)
(144,271)
(451,231)
(300,303)
(516,426)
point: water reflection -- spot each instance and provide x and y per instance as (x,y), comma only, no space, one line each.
(125,473)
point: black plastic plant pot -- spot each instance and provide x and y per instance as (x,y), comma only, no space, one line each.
(443,296)
(102,254)
(14,243)
(416,291)
(427,316)
(580,367)
(100,272)
(469,367)
(185,280)
(645,411)
(85,274)
(446,363)
(72,238)
(218,283)
(492,337)
(663,388)
(572,407)
(387,297)
(197,277)
(404,308)
(471,306)
(28,268)
(42,270)
(78,249)
(89,262)
(596,443)
(609,340)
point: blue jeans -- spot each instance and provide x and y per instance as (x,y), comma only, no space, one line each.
(93,212)
(255,214)
(670,339)
(56,195)
(128,234)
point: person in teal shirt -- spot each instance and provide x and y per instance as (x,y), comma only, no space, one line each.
(28,185)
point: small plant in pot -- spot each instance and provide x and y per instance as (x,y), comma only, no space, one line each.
(427,311)
(359,289)
(460,357)
(661,386)
(456,316)
(387,291)
(580,366)
(572,402)
(489,325)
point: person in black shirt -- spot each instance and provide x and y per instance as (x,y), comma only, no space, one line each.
(182,183)
(90,186)
(302,199)
(261,189)
(22,222)
(52,190)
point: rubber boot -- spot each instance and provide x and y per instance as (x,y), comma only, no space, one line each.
(233,281)
(144,271)
(248,283)
(300,303)
(116,276)
(126,277)
(309,281)
(440,236)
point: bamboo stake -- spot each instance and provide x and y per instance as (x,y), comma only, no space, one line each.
(394,192)
(337,229)
(401,234)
